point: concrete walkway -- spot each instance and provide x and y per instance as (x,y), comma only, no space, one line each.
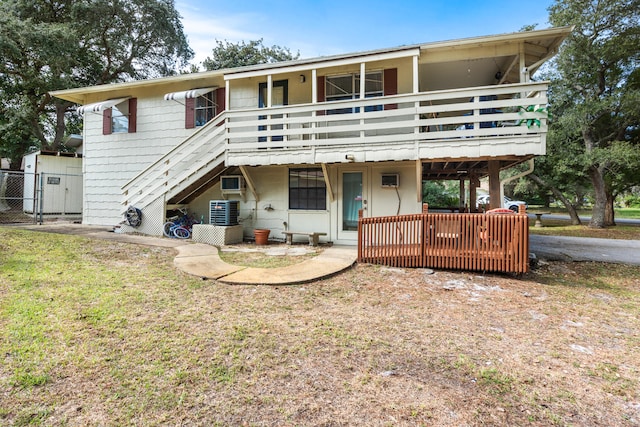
(202,260)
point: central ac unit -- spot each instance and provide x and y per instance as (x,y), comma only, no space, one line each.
(223,212)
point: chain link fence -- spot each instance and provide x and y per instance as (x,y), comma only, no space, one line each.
(31,198)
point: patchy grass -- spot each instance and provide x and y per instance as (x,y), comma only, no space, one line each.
(561,228)
(103,333)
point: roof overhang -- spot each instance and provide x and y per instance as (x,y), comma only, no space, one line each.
(323,62)
(542,42)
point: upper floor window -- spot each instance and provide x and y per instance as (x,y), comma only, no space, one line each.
(347,86)
(205,108)
(120,118)
(201,105)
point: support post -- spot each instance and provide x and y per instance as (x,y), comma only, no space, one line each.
(495,198)
(419,180)
(461,204)
(473,193)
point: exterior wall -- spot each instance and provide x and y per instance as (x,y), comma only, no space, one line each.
(110,161)
(272,209)
(244,92)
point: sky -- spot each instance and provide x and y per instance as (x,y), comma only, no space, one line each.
(328,27)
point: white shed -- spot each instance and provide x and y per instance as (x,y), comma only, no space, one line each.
(53,183)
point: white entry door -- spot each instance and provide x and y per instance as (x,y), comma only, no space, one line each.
(354,196)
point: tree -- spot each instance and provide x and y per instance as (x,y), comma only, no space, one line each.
(49,45)
(231,55)
(597,94)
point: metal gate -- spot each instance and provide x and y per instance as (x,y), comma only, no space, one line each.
(30,198)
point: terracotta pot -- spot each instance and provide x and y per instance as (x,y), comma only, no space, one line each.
(262,236)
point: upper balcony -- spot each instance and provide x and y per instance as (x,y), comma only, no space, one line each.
(479,122)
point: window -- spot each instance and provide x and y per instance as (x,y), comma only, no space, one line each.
(200,108)
(120,118)
(307,189)
(347,86)
(205,108)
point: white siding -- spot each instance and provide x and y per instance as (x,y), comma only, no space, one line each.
(112,160)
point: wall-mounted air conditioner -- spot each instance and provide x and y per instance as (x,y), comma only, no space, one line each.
(390,180)
(231,184)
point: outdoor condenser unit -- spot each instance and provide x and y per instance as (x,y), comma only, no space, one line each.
(223,212)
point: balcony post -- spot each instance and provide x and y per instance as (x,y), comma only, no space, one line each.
(314,100)
(416,76)
(363,79)
(269,94)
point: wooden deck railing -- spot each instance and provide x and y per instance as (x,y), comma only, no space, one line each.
(484,242)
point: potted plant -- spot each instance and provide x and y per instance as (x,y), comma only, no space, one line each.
(261,235)
(531,109)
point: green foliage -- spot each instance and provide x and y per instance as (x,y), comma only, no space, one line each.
(231,55)
(631,200)
(440,193)
(50,45)
(594,96)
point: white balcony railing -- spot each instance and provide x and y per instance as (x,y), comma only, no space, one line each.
(490,111)
(446,117)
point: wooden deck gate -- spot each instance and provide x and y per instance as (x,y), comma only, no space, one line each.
(465,241)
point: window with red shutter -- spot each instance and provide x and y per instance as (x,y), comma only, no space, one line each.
(121,118)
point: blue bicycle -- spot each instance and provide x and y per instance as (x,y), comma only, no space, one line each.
(179,227)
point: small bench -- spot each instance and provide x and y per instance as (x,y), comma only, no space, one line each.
(314,236)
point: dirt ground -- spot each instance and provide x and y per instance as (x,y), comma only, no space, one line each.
(373,346)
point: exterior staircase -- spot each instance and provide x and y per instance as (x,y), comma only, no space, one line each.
(183,170)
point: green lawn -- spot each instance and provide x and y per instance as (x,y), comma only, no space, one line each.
(101,333)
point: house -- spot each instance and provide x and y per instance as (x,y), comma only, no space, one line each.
(304,145)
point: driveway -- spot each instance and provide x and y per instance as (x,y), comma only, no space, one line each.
(585,249)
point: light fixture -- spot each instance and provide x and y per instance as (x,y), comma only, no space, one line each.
(302,78)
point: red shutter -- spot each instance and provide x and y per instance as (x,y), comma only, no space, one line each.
(106,122)
(390,86)
(321,93)
(189,113)
(133,115)
(220,100)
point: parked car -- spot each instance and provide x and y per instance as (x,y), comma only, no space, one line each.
(513,205)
